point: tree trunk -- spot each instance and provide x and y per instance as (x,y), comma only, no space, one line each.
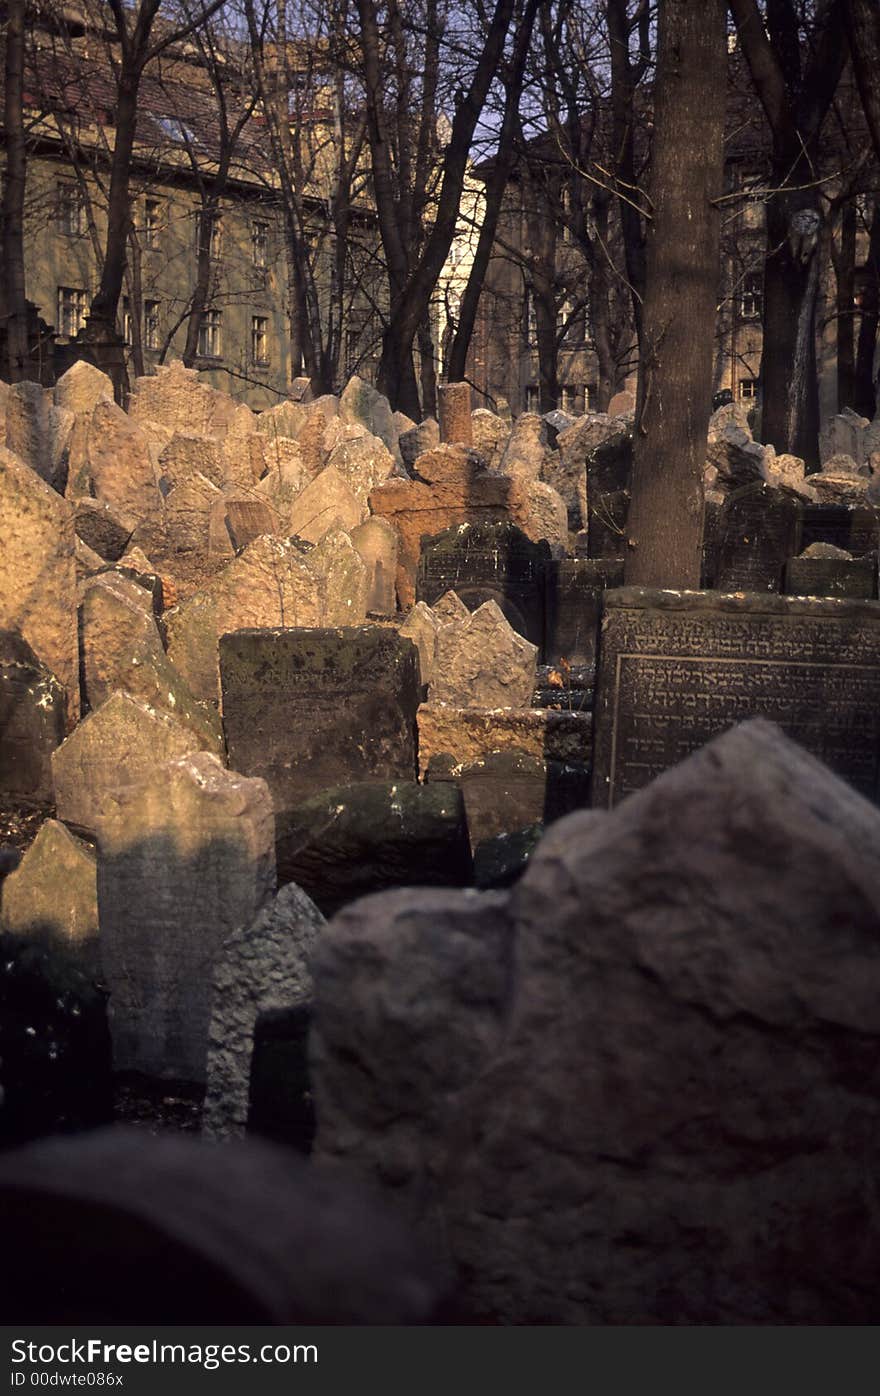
(864,400)
(665,524)
(14,302)
(845,276)
(202,288)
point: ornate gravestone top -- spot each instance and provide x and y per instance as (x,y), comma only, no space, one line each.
(488,562)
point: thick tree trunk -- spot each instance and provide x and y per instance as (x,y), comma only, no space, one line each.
(202,288)
(624,80)
(845,276)
(675,374)
(14,304)
(864,400)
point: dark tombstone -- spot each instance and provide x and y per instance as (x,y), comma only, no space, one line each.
(759,530)
(309,709)
(572,604)
(711,542)
(609,472)
(851,527)
(510,790)
(853,577)
(677,668)
(488,562)
(354,839)
(33,708)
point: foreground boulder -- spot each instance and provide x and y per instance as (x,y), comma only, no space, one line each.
(659,1048)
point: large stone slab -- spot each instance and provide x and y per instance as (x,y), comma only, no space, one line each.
(33,718)
(122,741)
(185,857)
(663,1089)
(308,709)
(677,668)
(262,967)
(38,572)
(488,562)
(759,529)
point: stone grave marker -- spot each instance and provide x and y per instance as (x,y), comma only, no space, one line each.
(677,668)
(759,530)
(823,570)
(53,894)
(308,709)
(572,604)
(377,542)
(185,857)
(488,562)
(850,527)
(33,716)
(482,662)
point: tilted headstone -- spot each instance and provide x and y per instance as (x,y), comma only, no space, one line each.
(38,572)
(121,741)
(677,668)
(363,462)
(377,542)
(33,720)
(488,562)
(53,894)
(185,857)
(759,530)
(421,626)
(345,579)
(27,429)
(327,502)
(361,404)
(119,466)
(417,439)
(490,435)
(263,966)
(307,709)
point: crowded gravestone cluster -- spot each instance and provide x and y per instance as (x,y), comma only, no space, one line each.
(352,804)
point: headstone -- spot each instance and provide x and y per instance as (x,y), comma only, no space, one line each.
(482,662)
(33,718)
(413,442)
(242,1234)
(678,1003)
(677,668)
(364,406)
(622,405)
(850,527)
(102,528)
(119,465)
(569,469)
(188,454)
(27,429)
(543,516)
(843,434)
(355,839)
(81,388)
(488,562)
(609,467)
(175,397)
(832,576)
(248,517)
(327,502)
(363,462)
(490,435)
(377,542)
(421,626)
(345,579)
(52,895)
(262,967)
(505,791)
(759,530)
(269,584)
(526,449)
(122,741)
(308,709)
(469,735)
(38,572)
(454,403)
(185,857)
(572,607)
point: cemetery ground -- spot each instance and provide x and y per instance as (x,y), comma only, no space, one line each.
(403,920)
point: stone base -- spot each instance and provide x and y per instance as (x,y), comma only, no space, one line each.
(471,734)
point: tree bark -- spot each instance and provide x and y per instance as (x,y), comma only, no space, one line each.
(13,281)
(865,388)
(845,276)
(682,264)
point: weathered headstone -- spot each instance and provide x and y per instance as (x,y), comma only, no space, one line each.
(677,668)
(263,966)
(489,434)
(488,562)
(363,405)
(454,404)
(421,626)
(119,466)
(27,429)
(482,662)
(526,449)
(572,607)
(759,530)
(363,462)
(377,542)
(345,579)
(850,527)
(354,839)
(38,572)
(52,894)
(308,709)
(33,719)
(327,502)
(818,572)
(505,791)
(417,439)
(185,857)
(103,529)
(122,741)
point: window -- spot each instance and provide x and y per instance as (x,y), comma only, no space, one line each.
(210,339)
(569,399)
(531,320)
(152,218)
(260,339)
(73,306)
(751,296)
(260,244)
(127,323)
(566,215)
(532,398)
(215,241)
(151,324)
(748,389)
(71,210)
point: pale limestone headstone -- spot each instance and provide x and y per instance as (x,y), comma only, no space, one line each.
(450,608)
(27,428)
(81,388)
(285,481)
(53,892)
(122,651)
(482,662)
(187,515)
(378,544)
(422,626)
(38,572)
(523,456)
(543,515)
(282,421)
(121,741)
(490,435)
(345,579)
(263,966)
(175,397)
(185,857)
(328,502)
(417,439)
(186,455)
(363,462)
(269,584)
(248,516)
(362,404)
(119,464)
